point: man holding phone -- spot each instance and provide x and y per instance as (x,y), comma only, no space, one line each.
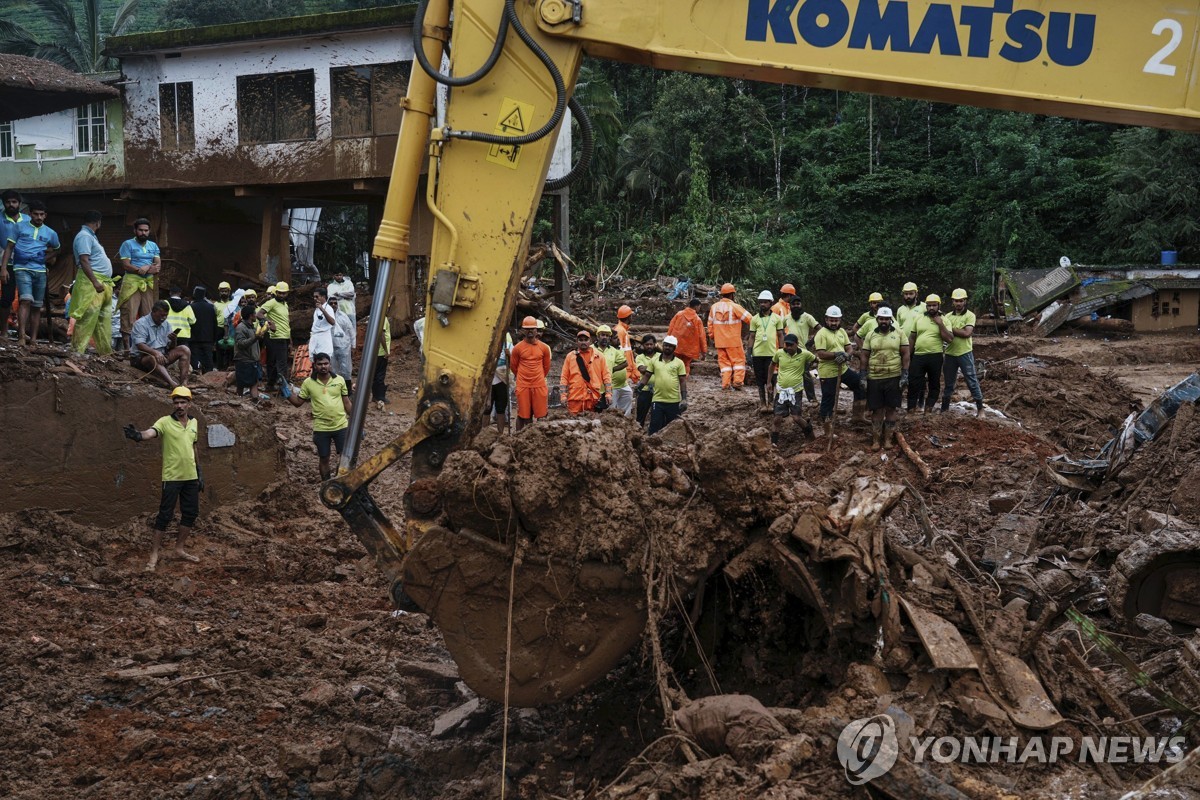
(155,347)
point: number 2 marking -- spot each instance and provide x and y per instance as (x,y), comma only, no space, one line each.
(1155,65)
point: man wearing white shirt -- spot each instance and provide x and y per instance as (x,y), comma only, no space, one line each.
(324,323)
(341,293)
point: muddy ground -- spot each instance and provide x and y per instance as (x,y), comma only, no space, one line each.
(276,667)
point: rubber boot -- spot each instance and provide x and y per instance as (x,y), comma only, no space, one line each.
(876,435)
(889,434)
(858,411)
(979,409)
(829,429)
(774,438)
(809,433)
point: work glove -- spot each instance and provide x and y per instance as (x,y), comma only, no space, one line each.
(132,432)
(285,389)
(903,378)
(841,358)
(682,406)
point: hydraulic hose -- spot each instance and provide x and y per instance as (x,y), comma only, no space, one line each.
(585,156)
(560,89)
(440,77)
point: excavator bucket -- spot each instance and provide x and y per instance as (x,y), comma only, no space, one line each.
(570,624)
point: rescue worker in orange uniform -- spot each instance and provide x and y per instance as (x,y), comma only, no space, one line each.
(529,361)
(725,320)
(787,293)
(586,381)
(688,330)
(621,329)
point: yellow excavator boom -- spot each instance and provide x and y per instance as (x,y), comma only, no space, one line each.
(513,65)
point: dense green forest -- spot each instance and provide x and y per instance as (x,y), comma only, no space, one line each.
(761,183)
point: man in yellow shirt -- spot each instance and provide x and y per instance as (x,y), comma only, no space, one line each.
(765,328)
(670,386)
(834,351)
(645,394)
(926,343)
(330,400)
(793,361)
(804,327)
(886,356)
(873,303)
(959,324)
(279,337)
(182,478)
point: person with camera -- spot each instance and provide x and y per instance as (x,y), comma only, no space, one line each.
(586,381)
(925,339)
(182,478)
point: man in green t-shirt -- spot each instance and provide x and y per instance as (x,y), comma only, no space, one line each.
(793,362)
(670,386)
(873,303)
(617,365)
(182,478)
(909,309)
(960,355)
(764,333)
(926,337)
(886,358)
(330,400)
(804,327)
(834,351)
(647,352)
(279,338)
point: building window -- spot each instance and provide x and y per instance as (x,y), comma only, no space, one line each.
(176,116)
(366,100)
(276,108)
(6,140)
(90,129)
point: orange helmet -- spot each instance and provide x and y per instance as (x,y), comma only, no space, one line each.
(787,288)
(624,312)
(529,322)
(728,288)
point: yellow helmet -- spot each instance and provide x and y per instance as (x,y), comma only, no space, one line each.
(250,293)
(181,391)
(271,290)
(958,294)
(875,297)
(909,287)
(933,298)
(282,287)
(603,329)
(224,285)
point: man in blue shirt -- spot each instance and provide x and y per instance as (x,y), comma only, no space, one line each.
(29,247)
(91,294)
(11,217)
(141,260)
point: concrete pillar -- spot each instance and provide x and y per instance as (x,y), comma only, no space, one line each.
(560,219)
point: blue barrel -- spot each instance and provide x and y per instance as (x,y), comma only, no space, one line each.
(1169,258)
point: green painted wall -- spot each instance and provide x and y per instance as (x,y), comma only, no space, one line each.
(63,170)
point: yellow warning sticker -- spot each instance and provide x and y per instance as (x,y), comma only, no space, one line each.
(514,120)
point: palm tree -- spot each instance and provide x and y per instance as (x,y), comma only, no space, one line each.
(76,32)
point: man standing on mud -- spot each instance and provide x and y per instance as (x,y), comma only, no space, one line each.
(645,392)
(670,387)
(793,361)
(279,323)
(960,355)
(725,320)
(688,329)
(182,478)
(31,245)
(9,220)
(624,318)
(330,400)
(141,260)
(833,349)
(586,381)
(885,360)
(765,330)
(618,368)
(91,294)
(925,339)
(804,327)
(529,363)
(869,315)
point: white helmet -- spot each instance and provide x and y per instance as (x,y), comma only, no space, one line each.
(765,294)
(884,313)
(834,312)
(670,340)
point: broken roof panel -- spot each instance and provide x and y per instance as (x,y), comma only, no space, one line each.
(1032,289)
(31,87)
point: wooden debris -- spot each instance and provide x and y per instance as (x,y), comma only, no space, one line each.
(912,455)
(148,671)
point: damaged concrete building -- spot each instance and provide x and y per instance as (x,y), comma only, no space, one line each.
(1141,298)
(220,133)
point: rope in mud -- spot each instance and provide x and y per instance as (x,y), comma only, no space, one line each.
(512,586)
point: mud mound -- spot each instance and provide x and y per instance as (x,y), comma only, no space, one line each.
(593,488)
